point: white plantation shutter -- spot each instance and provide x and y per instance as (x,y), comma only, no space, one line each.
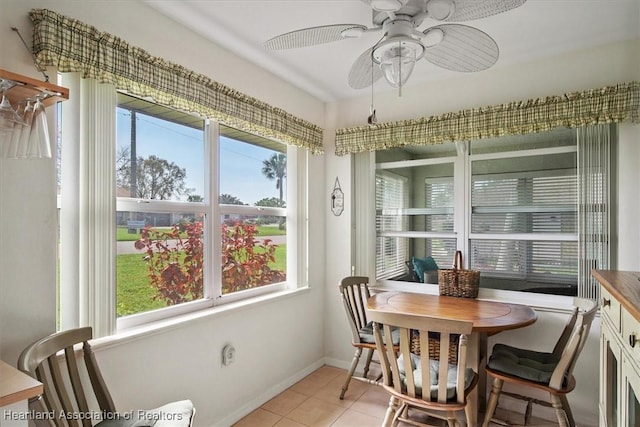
(439,217)
(524,225)
(392,197)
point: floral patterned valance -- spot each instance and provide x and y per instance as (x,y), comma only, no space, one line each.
(71,45)
(611,104)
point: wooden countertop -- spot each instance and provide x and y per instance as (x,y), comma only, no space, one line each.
(623,286)
(16,385)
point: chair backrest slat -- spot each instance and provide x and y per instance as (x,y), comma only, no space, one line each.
(59,386)
(47,403)
(76,385)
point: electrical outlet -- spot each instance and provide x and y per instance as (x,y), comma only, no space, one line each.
(228,354)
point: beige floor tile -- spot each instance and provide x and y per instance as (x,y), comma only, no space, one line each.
(373,402)
(316,380)
(285,402)
(316,413)
(331,392)
(286,422)
(259,418)
(351,418)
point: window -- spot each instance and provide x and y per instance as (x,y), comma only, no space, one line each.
(509,204)
(177,248)
(392,200)
(524,231)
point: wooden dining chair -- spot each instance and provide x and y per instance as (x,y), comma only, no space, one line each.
(71,385)
(354,291)
(418,385)
(551,372)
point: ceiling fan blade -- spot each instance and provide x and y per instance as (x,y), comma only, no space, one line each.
(462,48)
(363,71)
(466,10)
(312,36)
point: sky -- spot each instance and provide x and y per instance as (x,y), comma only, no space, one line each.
(241,163)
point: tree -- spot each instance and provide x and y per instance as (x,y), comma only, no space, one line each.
(156,178)
(271,202)
(276,168)
(123,168)
(195,198)
(228,199)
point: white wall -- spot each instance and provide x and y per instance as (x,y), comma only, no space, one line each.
(277,342)
(556,75)
(185,361)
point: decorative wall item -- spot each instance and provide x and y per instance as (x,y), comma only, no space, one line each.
(337,199)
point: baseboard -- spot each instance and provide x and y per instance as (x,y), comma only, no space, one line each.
(267,395)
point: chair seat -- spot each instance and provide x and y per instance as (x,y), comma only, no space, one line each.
(435,380)
(526,364)
(175,414)
(366,334)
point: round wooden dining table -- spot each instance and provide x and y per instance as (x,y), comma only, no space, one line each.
(488,318)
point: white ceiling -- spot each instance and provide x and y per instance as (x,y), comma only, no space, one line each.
(536,29)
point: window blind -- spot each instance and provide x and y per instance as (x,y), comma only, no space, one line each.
(392,197)
(525,225)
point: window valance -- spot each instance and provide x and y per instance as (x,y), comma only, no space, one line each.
(73,46)
(611,104)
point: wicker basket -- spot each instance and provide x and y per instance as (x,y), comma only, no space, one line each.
(457,282)
(434,346)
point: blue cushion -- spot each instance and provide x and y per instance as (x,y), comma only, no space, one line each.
(420,265)
(434,366)
(526,364)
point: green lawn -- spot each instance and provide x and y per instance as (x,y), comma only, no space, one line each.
(135,293)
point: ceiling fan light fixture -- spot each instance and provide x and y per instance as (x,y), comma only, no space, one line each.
(397,58)
(440,9)
(352,33)
(387,5)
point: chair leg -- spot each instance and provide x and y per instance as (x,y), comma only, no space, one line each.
(528,412)
(563,420)
(468,415)
(368,363)
(352,369)
(390,417)
(567,410)
(493,401)
(451,419)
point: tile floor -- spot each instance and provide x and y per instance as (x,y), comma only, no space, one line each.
(314,402)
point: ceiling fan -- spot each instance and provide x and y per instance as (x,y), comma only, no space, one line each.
(455,47)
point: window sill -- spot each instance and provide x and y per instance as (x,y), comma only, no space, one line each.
(540,302)
(161,326)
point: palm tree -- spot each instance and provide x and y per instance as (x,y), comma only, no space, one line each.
(276,168)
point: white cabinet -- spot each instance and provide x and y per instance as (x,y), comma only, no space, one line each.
(619,348)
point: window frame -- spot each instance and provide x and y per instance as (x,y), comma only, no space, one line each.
(297,239)
(462,200)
